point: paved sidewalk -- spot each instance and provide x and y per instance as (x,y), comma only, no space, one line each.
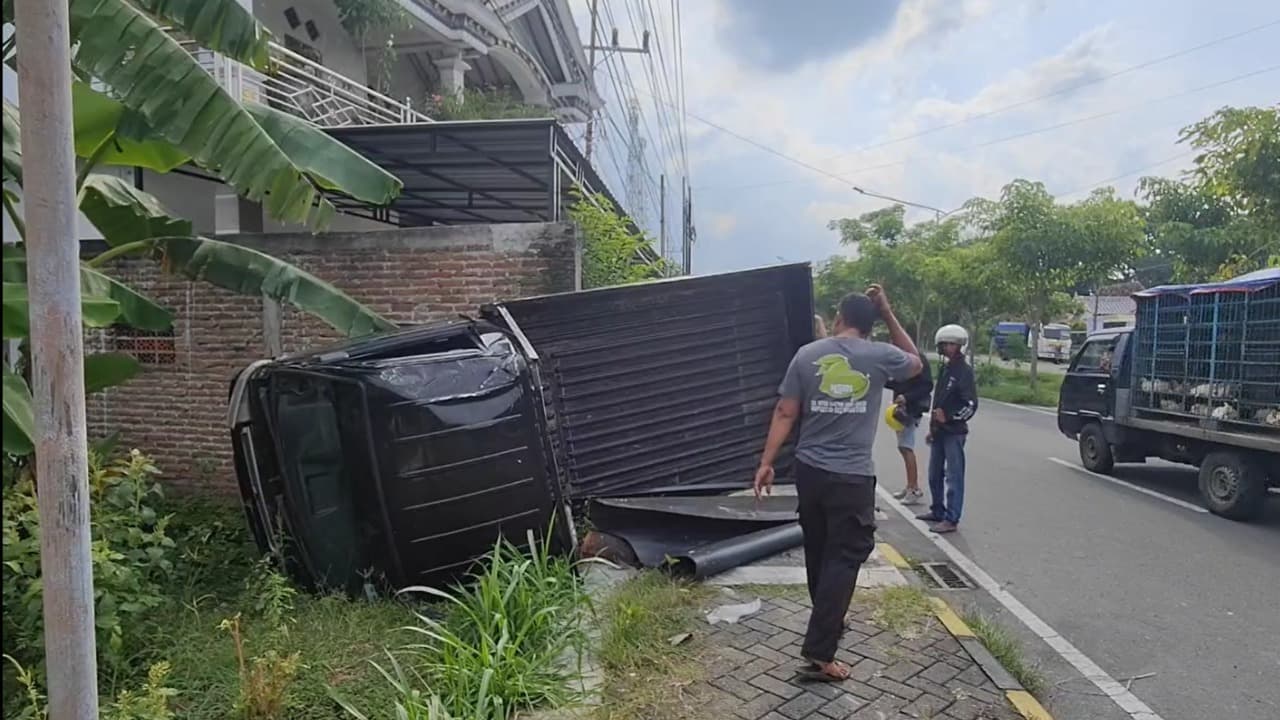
(754,663)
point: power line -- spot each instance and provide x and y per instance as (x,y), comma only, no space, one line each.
(1027,133)
(1061,91)
(1135,171)
(809,166)
(678,31)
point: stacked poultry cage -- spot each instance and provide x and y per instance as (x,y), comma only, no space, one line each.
(1211,351)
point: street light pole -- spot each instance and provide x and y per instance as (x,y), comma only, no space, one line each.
(937,212)
(57,355)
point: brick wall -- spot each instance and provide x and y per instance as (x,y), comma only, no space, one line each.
(176,410)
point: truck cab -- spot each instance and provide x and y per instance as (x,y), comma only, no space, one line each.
(1054,342)
(1092,383)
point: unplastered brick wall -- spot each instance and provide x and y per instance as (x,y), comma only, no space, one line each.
(177,408)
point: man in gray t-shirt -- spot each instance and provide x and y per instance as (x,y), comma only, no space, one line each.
(840,382)
(833,388)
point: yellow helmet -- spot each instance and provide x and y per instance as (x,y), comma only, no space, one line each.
(891,418)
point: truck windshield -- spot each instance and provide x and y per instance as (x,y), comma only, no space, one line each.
(1053,333)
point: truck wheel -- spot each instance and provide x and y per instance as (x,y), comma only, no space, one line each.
(1233,485)
(1095,451)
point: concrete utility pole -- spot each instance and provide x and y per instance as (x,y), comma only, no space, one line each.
(591,73)
(57,354)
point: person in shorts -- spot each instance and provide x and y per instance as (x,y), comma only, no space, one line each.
(911,400)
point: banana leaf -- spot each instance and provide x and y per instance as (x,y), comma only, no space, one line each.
(125,214)
(332,165)
(104,370)
(101,370)
(98,119)
(151,74)
(221,25)
(249,272)
(12,144)
(136,310)
(19,427)
(94,311)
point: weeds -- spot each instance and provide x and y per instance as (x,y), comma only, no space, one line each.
(901,610)
(646,662)
(1005,647)
(510,640)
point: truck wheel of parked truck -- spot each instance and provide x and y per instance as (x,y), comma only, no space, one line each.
(1095,451)
(1233,484)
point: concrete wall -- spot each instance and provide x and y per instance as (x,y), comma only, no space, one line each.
(340,52)
(176,410)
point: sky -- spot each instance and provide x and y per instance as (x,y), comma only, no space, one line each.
(932,101)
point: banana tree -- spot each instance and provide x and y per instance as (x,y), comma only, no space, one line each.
(158,108)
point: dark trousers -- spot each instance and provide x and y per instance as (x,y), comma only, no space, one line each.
(837,515)
(946,476)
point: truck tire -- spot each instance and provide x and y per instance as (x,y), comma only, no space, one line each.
(1095,451)
(1233,485)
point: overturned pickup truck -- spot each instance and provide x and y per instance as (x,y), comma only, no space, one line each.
(398,459)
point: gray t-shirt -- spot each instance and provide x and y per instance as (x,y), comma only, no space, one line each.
(839,382)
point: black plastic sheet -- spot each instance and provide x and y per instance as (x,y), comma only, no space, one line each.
(699,536)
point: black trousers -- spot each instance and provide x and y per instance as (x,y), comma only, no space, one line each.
(837,515)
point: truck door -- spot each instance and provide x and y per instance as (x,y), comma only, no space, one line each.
(1087,389)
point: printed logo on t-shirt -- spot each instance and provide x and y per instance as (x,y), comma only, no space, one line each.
(845,386)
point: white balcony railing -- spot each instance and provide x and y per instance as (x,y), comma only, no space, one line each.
(306,89)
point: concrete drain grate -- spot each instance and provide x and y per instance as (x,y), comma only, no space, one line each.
(943,576)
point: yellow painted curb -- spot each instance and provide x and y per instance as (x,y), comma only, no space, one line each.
(950,619)
(1028,706)
(894,557)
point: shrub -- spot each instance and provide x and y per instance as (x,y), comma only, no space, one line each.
(132,556)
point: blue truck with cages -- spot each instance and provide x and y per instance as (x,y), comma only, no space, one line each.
(1195,381)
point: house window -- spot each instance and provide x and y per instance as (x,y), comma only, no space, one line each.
(149,347)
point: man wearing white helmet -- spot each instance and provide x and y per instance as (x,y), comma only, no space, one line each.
(955,400)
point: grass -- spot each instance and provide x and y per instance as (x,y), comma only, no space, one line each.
(903,610)
(1014,386)
(335,639)
(234,639)
(646,672)
(1005,648)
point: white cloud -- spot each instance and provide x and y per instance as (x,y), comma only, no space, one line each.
(940,62)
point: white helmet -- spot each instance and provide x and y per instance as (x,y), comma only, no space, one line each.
(951,334)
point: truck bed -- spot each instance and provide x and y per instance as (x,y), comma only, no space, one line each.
(1206,429)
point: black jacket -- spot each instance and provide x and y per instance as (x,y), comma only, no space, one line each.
(916,390)
(956,394)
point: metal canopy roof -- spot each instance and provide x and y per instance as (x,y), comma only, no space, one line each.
(464,172)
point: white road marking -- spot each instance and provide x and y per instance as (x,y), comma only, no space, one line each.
(1117,481)
(1123,698)
(1028,408)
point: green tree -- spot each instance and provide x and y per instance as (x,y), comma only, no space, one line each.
(614,252)
(158,108)
(1224,219)
(1239,160)
(1047,249)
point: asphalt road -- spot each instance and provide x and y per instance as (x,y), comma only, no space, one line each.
(1138,584)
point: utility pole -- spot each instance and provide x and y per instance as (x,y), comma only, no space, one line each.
(591,71)
(662,214)
(57,354)
(613,46)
